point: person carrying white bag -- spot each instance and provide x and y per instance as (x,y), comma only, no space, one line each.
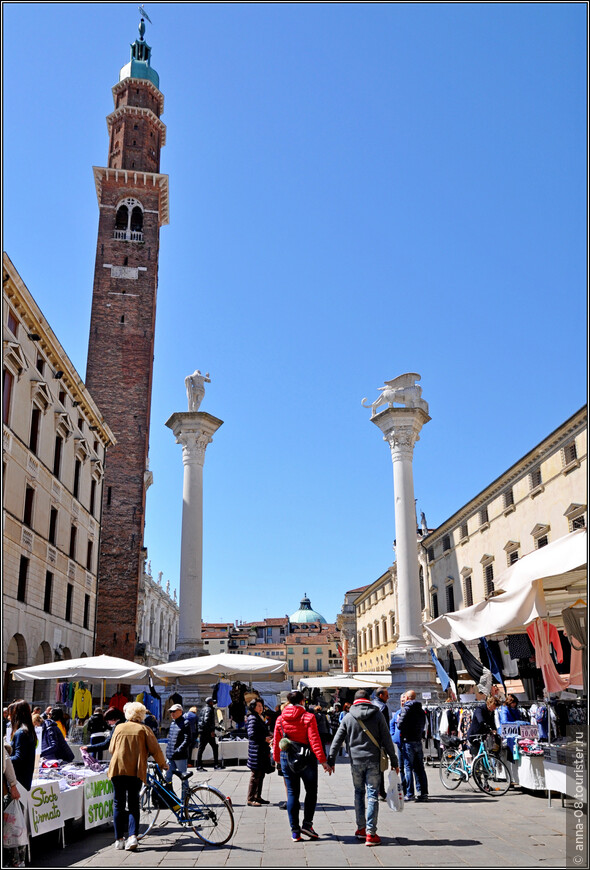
(395,793)
(370,748)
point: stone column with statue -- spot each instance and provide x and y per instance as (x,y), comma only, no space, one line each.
(411,665)
(194,430)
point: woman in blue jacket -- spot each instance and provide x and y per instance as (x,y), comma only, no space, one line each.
(53,744)
(511,714)
(258,751)
(23,742)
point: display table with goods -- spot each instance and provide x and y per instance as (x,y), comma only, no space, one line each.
(60,793)
(565,769)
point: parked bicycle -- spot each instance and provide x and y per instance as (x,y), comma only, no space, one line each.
(203,808)
(489,772)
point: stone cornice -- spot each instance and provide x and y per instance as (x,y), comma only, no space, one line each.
(138,110)
(575,424)
(125,83)
(137,179)
(16,291)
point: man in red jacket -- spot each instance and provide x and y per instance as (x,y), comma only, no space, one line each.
(297,725)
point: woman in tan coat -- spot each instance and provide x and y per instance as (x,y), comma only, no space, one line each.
(130,745)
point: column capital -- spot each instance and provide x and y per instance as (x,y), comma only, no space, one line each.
(401,429)
(194,430)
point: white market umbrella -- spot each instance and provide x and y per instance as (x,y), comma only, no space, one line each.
(245,667)
(105,668)
(347,681)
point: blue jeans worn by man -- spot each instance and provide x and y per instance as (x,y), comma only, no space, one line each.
(181,765)
(413,761)
(366,777)
(309,777)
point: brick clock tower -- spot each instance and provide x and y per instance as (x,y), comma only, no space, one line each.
(133,203)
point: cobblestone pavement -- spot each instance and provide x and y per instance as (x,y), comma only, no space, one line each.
(464,828)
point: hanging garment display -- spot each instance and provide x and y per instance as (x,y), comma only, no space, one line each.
(519,646)
(549,630)
(507,663)
(82,704)
(553,682)
(442,674)
(473,667)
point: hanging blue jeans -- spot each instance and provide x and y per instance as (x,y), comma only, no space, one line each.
(366,777)
(413,756)
(309,778)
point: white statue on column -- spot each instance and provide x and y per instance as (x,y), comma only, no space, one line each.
(195,389)
(402,390)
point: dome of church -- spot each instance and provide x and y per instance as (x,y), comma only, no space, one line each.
(305,613)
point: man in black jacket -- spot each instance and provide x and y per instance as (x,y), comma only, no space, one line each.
(411,725)
(178,743)
(207,733)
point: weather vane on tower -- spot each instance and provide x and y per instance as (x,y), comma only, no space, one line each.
(143,14)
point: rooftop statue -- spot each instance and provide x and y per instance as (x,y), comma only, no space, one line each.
(402,390)
(195,389)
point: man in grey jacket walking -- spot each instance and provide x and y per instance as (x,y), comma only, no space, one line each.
(364,755)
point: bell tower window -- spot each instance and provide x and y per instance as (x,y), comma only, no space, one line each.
(129,221)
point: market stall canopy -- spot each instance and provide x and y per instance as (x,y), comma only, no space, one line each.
(561,565)
(87,668)
(233,665)
(347,681)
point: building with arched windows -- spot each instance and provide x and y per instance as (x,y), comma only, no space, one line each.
(54,446)
(157,619)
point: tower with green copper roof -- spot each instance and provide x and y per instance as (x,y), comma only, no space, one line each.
(132,198)
(139,66)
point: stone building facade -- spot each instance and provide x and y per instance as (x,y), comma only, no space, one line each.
(540,498)
(54,448)
(346,623)
(133,205)
(157,619)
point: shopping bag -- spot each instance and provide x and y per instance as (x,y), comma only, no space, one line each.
(395,794)
(14,831)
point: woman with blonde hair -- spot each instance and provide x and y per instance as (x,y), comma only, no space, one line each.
(130,745)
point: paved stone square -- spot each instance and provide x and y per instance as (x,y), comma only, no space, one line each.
(464,828)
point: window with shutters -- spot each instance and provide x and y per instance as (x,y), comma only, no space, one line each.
(468,590)
(488,579)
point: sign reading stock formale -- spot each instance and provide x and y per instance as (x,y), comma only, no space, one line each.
(45,813)
(98,801)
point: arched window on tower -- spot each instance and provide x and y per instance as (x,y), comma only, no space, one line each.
(129,221)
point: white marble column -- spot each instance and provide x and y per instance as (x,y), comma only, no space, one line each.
(411,665)
(401,428)
(194,430)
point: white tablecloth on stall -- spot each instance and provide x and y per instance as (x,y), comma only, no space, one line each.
(529,772)
(560,778)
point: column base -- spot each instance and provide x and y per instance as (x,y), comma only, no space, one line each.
(188,649)
(413,669)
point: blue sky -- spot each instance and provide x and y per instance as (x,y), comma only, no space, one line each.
(356,191)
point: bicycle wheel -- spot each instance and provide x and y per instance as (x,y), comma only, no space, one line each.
(491,775)
(148,812)
(209,814)
(451,770)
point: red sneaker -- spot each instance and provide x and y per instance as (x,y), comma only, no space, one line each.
(361,833)
(373,840)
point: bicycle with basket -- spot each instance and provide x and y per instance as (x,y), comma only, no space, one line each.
(204,809)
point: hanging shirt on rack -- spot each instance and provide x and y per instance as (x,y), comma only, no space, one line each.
(554,639)
(473,667)
(118,701)
(82,704)
(553,682)
(507,663)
